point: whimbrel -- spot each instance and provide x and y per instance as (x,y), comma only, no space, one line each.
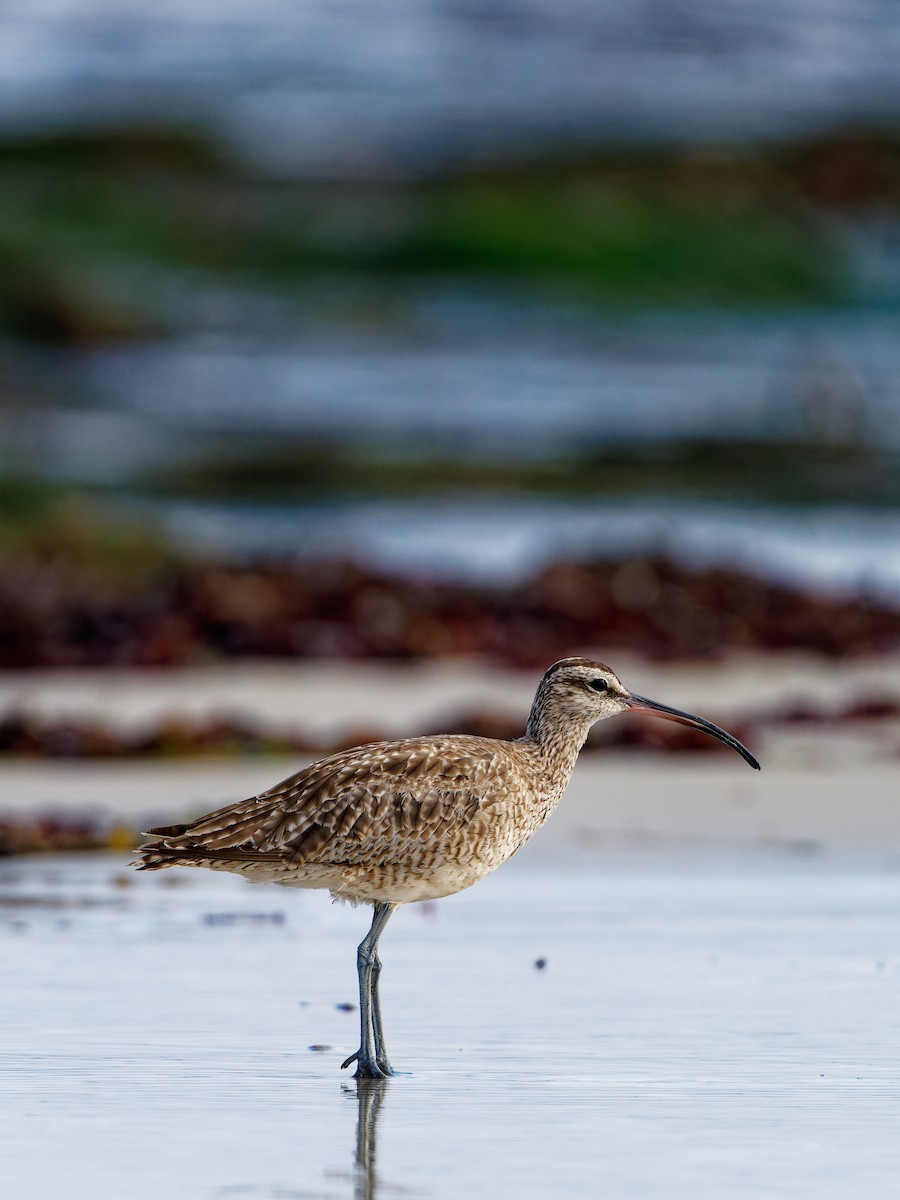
(393,822)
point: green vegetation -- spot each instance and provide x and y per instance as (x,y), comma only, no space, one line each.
(627,237)
(49,524)
(90,221)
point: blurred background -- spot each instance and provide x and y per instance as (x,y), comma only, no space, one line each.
(357,360)
(412,331)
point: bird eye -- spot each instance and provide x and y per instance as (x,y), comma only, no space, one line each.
(599,685)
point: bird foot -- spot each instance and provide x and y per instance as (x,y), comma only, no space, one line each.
(369,1068)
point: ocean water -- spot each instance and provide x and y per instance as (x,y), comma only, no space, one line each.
(486,379)
(504,379)
(390,86)
(503,376)
(834,549)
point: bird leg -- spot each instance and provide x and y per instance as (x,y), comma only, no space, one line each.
(371,1057)
(381,1056)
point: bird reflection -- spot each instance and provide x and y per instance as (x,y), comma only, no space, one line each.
(369,1095)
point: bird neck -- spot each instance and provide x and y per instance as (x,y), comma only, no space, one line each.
(558,735)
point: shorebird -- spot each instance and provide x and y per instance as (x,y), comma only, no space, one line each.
(390,823)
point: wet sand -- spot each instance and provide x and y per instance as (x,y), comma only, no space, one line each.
(702,1026)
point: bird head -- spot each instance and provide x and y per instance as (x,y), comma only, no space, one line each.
(588,691)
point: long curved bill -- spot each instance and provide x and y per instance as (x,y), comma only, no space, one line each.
(642,704)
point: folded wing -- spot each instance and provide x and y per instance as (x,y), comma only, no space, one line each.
(371,803)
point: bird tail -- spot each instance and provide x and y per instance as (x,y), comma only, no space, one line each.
(174,846)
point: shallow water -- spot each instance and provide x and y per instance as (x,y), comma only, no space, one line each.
(697,1029)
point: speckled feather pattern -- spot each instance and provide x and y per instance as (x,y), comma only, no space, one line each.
(405,820)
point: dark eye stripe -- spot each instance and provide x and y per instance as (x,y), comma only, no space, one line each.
(599,685)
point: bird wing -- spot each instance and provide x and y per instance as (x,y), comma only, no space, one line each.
(368,802)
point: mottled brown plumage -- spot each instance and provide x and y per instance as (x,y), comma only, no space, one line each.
(394,822)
